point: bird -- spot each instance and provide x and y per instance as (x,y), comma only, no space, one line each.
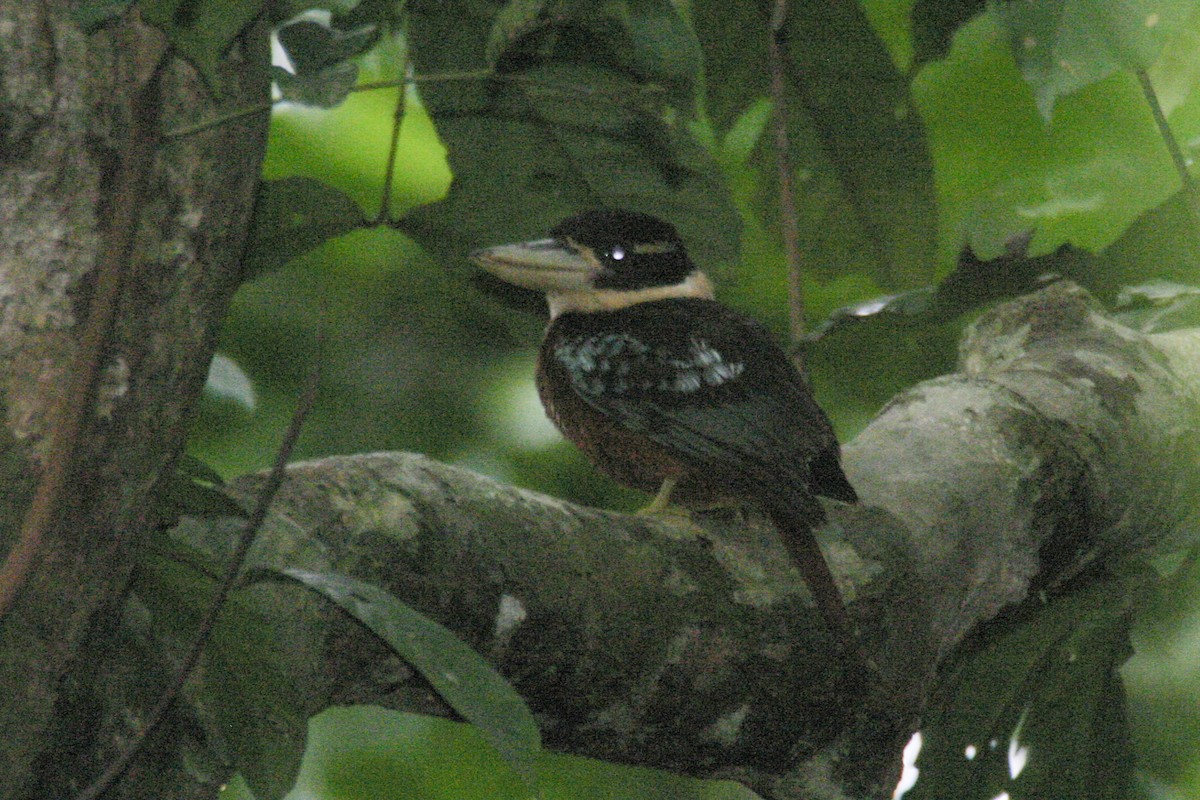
(667,390)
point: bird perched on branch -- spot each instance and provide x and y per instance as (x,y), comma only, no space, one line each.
(667,390)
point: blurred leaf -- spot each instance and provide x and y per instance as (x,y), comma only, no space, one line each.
(252,693)
(91,14)
(934,24)
(1162,243)
(226,379)
(1155,293)
(460,675)
(564,128)
(865,177)
(663,46)
(182,495)
(202,30)
(1064,45)
(974,282)
(517,18)
(191,467)
(972,285)
(733,39)
(861,111)
(1035,708)
(745,134)
(323,89)
(293,216)
(195,489)
(906,308)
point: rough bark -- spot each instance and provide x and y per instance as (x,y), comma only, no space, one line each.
(1065,442)
(71,104)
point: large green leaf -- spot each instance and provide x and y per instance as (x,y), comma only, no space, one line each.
(1036,708)
(1064,45)
(460,675)
(859,107)
(293,216)
(585,111)
(866,199)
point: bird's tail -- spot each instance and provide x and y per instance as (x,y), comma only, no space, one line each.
(795,516)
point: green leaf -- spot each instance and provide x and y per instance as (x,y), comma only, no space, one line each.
(1064,45)
(460,675)
(183,495)
(859,108)
(194,469)
(864,173)
(934,23)
(293,216)
(745,134)
(312,47)
(1162,243)
(1036,708)
(255,690)
(202,30)
(569,125)
(325,88)
(663,46)
(516,19)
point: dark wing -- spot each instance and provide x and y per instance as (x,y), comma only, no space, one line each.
(708,384)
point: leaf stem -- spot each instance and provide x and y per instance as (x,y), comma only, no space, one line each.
(1190,190)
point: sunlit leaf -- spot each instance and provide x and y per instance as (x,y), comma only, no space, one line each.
(460,675)
(1064,45)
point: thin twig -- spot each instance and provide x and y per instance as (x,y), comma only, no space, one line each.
(274,480)
(789,221)
(620,96)
(385,205)
(66,421)
(1190,190)
(232,116)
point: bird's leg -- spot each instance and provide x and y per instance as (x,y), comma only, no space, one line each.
(661,504)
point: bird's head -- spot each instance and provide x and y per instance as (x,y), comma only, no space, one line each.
(600,261)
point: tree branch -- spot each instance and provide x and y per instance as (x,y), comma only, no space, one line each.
(1065,441)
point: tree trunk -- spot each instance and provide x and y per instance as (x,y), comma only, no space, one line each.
(104,216)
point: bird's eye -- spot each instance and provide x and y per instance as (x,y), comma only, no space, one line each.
(617,253)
